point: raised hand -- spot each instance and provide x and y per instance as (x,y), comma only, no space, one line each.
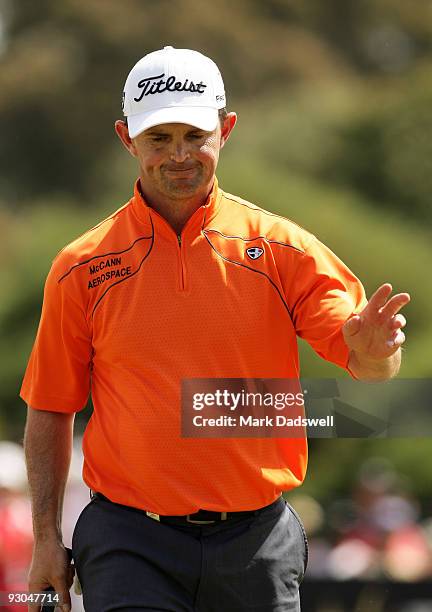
(376,332)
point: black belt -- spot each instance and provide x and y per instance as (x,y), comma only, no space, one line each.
(202,517)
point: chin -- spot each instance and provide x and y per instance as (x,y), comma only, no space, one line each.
(182,188)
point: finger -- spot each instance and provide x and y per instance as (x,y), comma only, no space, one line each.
(66,600)
(36,587)
(380,296)
(60,585)
(397,341)
(352,326)
(397,322)
(393,306)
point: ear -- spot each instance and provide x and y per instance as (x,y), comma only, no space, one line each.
(123,133)
(227,128)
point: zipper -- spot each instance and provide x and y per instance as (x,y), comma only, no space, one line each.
(182,264)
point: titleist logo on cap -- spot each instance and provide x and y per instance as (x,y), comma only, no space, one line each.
(151,86)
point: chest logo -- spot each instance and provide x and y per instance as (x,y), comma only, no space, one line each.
(254,252)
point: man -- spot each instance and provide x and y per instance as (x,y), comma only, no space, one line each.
(183,282)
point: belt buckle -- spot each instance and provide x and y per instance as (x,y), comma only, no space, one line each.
(195,522)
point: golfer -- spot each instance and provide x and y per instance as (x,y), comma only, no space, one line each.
(184,282)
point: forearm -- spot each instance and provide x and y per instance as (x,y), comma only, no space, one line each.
(48,449)
(374,370)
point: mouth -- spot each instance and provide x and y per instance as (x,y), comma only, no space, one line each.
(180,167)
(181,172)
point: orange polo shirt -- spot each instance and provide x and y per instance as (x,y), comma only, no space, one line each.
(131,309)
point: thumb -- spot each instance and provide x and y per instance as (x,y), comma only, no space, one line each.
(352,326)
(63,591)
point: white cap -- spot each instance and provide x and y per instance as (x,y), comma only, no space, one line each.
(173,86)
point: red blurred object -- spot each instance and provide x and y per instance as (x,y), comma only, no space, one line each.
(16,541)
(407,556)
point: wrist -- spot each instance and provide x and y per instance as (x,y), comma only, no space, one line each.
(371,369)
(47,534)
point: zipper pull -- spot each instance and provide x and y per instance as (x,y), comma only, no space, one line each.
(179,239)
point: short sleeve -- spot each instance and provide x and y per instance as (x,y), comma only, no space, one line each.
(57,377)
(323,295)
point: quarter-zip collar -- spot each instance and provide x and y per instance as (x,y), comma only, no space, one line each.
(199,219)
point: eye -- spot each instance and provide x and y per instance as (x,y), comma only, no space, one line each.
(159,138)
(196,136)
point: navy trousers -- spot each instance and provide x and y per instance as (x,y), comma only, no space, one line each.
(127,561)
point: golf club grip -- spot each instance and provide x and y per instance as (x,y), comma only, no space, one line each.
(51,589)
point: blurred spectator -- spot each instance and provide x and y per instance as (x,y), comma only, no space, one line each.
(407,557)
(16,536)
(373,535)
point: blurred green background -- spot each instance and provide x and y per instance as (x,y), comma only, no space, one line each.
(334,102)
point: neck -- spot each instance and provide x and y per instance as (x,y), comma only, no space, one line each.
(176,211)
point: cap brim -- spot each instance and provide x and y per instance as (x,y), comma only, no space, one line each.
(201,117)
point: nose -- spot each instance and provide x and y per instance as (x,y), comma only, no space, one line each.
(179,151)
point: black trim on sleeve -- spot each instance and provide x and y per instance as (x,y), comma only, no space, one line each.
(267,212)
(237,263)
(257,238)
(133,273)
(82,263)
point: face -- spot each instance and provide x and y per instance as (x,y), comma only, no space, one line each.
(177,161)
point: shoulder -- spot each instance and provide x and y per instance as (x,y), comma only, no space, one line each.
(248,221)
(104,239)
